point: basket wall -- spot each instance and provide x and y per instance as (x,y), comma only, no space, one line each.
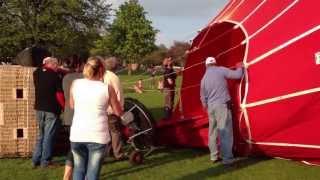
(18,127)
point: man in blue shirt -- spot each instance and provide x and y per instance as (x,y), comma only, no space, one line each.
(215,97)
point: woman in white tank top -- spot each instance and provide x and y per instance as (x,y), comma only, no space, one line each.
(89,134)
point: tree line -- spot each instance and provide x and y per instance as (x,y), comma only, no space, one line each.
(83,27)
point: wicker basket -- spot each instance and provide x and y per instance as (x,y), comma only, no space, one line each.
(18,127)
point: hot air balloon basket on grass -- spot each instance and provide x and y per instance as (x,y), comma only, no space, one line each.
(18,127)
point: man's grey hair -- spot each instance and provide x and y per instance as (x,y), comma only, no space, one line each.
(50,60)
(111,63)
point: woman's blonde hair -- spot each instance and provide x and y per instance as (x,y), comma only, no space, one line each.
(94,68)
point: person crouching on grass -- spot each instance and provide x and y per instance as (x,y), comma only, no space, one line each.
(89,135)
(138,87)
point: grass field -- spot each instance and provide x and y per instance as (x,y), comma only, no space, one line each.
(170,163)
(182,164)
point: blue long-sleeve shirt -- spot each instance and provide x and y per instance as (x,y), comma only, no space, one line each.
(214,88)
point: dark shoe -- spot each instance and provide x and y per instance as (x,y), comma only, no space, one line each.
(121,158)
(34,165)
(214,161)
(49,165)
(229,162)
(167,113)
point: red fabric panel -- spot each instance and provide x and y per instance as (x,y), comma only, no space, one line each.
(291,120)
(244,10)
(220,14)
(296,153)
(60,99)
(227,10)
(196,40)
(192,131)
(266,12)
(235,6)
(213,34)
(289,70)
(213,47)
(296,22)
(185,132)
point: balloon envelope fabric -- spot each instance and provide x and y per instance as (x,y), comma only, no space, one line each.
(276,104)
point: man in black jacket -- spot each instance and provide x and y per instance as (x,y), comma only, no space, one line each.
(48,102)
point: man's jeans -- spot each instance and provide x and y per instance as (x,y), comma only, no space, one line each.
(88,158)
(220,123)
(169,94)
(47,127)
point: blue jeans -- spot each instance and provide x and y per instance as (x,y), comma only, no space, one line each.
(47,122)
(88,158)
(220,124)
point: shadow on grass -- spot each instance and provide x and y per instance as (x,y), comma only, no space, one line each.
(157,113)
(217,170)
(155,160)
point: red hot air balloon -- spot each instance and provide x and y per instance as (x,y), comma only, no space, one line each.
(276,105)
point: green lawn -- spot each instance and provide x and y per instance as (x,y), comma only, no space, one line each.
(170,163)
(173,164)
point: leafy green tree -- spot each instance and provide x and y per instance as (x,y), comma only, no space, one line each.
(131,34)
(156,57)
(102,46)
(64,26)
(178,52)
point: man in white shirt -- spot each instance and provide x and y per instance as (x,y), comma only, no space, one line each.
(112,79)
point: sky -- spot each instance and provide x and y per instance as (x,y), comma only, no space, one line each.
(178,20)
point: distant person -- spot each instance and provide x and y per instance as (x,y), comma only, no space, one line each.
(169,83)
(152,71)
(49,102)
(138,87)
(215,99)
(112,79)
(75,69)
(75,73)
(160,85)
(89,135)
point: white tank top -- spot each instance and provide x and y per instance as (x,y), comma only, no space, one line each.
(90,112)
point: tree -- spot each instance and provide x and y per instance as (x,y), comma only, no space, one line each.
(131,34)
(178,52)
(156,57)
(65,27)
(102,46)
